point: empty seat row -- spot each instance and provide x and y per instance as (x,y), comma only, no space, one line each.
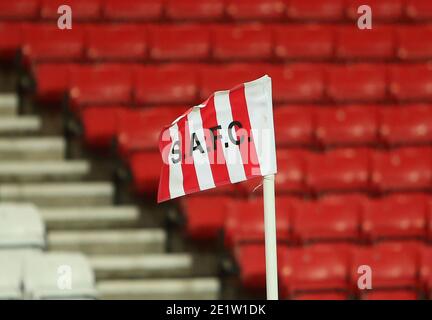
(134,129)
(188,84)
(332,218)
(308,126)
(37,275)
(139,42)
(348,170)
(335,171)
(211,10)
(353,125)
(328,269)
(345,218)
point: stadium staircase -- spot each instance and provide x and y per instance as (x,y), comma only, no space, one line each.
(126,245)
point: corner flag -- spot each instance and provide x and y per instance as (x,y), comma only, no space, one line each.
(227,139)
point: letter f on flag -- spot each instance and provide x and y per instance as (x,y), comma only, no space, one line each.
(227,139)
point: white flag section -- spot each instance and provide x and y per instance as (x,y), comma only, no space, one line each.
(227,139)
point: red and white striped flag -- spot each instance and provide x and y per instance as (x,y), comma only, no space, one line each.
(227,139)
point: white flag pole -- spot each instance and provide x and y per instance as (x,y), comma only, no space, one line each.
(270,237)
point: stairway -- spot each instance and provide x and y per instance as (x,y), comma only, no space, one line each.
(129,258)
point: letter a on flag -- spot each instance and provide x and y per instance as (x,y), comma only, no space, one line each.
(227,139)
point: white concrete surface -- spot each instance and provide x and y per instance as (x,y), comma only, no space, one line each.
(16,171)
(198,288)
(32,148)
(8,104)
(19,125)
(125,241)
(144,266)
(44,194)
(89,217)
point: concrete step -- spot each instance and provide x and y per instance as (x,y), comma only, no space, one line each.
(40,148)
(142,266)
(128,241)
(176,289)
(12,171)
(8,104)
(19,125)
(90,217)
(44,194)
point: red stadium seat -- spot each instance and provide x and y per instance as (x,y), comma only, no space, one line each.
(82,10)
(301,42)
(216,78)
(132,10)
(291,175)
(413,42)
(208,225)
(245,221)
(406,125)
(352,125)
(394,265)
(100,124)
(264,10)
(139,129)
(343,169)
(326,220)
(47,43)
(359,82)
(301,83)
(250,42)
(251,260)
(19,10)
(429,221)
(116,42)
(314,269)
(377,43)
(411,82)
(11,39)
(397,216)
(170,84)
(316,10)
(403,169)
(321,296)
(187,42)
(389,295)
(294,125)
(145,168)
(425,269)
(191,10)
(100,84)
(419,10)
(52,80)
(382,10)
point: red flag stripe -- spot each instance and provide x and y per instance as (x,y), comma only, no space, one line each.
(217,158)
(247,148)
(190,180)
